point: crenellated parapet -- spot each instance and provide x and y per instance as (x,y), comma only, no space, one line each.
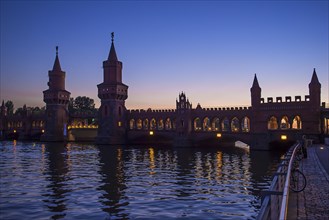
(137,111)
(227,108)
(288,99)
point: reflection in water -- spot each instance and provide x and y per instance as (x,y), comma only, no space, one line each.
(152,163)
(55,198)
(112,179)
(79,181)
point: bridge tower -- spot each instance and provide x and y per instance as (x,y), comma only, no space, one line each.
(256,115)
(256,93)
(56,99)
(183,121)
(112,93)
(315,91)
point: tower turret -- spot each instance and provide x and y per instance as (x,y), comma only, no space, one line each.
(183,115)
(256,93)
(315,90)
(56,99)
(112,93)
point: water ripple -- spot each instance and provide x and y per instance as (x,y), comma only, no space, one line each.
(81,181)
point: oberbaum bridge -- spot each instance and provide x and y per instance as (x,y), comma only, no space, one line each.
(265,123)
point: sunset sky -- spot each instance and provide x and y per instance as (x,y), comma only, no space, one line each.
(208,49)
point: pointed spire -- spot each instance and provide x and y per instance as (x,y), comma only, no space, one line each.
(314,79)
(112,54)
(57,65)
(255,84)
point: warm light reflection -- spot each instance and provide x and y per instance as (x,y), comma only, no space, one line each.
(119,123)
(119,154)
(152,163)
(43,131)
(218,135)
(43,150)
(151,133)
(209,166)
(198,165)
(14,144)
(120,166)
(68,153)
(15,131)
(219,162)
(284,137)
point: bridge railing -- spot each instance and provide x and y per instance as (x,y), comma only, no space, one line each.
(275,199)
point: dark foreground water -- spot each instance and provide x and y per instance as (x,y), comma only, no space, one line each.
(81,181)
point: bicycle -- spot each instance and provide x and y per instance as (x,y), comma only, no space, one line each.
(297,178)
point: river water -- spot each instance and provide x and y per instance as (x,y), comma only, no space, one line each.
(86,181)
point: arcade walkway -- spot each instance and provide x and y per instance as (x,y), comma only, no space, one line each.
(313,202)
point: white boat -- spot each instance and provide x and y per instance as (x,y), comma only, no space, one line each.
(242,145)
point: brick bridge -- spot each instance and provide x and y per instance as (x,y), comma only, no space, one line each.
(279,119)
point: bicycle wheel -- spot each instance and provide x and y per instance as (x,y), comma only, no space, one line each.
(297,181)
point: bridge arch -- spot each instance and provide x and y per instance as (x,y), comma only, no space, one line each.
(197,124)
(168,124)
(245,124)
(235,124)
(206,124)
(160,124)
(272,123)
(215,125)
(132,124)
(153,124)
(139,124)
(284,123)
(145,124)
(225,124)
(297,123)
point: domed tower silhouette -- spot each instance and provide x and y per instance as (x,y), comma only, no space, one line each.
(112,93)
(56,99)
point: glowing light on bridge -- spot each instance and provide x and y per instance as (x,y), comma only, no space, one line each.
(219,135)
(151,133)
(43,131)
(284,137)
(81,127)
(14,131)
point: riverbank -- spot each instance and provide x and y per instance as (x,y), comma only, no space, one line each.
(313,202)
